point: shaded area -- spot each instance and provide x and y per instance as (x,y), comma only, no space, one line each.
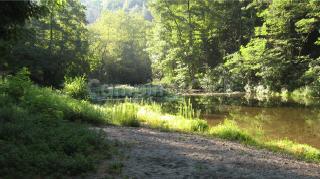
(157,154)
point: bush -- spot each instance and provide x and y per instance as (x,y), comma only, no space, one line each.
(76,87)
(16,86)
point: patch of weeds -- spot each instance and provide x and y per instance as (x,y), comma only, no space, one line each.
(167,122)
(229,130)
(124,114)
(302,151)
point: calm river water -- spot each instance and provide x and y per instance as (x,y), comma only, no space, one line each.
(275,118)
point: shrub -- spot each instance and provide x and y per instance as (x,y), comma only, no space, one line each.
(16,86)
(76,87)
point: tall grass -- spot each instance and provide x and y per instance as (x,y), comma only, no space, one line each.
(170,122)
(124,114)
(187,111)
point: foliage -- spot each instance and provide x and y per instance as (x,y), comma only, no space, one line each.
(119,42)
(189,35)
(52,46)
(76,87)
(46,100)
(13,14)
(169,122)
(283,53)
(36,136)
(187,111)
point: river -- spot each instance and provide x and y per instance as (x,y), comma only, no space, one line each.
(268,118)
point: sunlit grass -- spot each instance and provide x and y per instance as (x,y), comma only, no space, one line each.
(302,151)
(230,130)
(170,122)
(124,114)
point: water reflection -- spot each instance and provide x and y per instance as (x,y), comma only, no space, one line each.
(276,118)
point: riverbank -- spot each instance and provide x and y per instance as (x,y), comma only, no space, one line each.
(36,120)
(155,154)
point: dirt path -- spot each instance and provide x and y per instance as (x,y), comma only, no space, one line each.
(154,154)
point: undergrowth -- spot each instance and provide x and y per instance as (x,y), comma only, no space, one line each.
(37,137)
(40,133)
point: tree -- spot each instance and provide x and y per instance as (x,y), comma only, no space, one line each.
(54,45)
(13,15)
(196,34)
(288,41)
(119,40)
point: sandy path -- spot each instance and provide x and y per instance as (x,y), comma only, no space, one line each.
(155,154)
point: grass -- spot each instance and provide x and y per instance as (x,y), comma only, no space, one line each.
(151,116)
(124,114)
(169,122)
(39,136)
(229,130)
(301,151)
(187,111)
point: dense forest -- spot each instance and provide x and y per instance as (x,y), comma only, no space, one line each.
(217,46)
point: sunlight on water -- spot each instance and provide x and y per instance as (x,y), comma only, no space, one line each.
(276,118)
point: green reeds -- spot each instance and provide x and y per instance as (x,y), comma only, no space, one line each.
(124,114)
(186,110)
